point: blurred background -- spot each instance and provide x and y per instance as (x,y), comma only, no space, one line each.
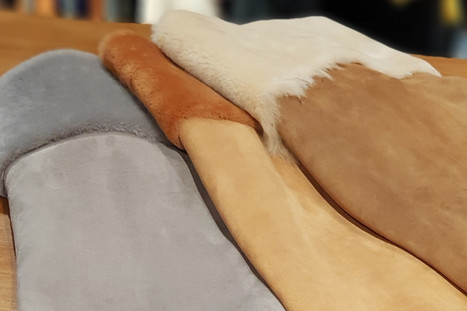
(430,27)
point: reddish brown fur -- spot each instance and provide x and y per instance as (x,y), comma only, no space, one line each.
(169,93)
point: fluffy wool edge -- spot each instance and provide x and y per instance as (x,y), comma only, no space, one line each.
(219,54)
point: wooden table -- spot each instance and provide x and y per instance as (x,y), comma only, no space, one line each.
(22,37)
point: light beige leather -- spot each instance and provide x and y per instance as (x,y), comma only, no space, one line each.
(311,256)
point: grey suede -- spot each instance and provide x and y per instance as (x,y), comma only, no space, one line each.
(60,94)
(114,222)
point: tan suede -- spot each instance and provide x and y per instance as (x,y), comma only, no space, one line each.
(393,154)
(310,255)
(159,83)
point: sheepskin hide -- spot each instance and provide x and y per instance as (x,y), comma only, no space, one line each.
(392,153)
(61,94)
(112,222)
(108,221)
(311,255)
(382,133)
(253,64)
(168,92)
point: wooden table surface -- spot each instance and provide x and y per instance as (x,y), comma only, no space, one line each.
(24,36)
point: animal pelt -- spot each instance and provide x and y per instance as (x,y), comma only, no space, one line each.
(168,92)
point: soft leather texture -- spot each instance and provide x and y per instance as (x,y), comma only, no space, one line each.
(60,94)
(392,153)
(169,93)
(311,256)
(115,222)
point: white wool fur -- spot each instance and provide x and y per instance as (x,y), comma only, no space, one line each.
(253,64)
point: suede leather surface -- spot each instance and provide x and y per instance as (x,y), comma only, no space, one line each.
(392,153)
(60,94)
(114,222)
(310,255)
(169,93)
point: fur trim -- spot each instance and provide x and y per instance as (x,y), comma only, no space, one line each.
(254,64)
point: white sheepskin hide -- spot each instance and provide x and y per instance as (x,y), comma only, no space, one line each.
(253,64)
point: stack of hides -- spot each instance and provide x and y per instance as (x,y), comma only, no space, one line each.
(295,164)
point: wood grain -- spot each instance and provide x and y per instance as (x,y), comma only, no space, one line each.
(25,36)
(22,37)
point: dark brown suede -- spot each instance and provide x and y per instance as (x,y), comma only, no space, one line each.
(392,153)
(146,71)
